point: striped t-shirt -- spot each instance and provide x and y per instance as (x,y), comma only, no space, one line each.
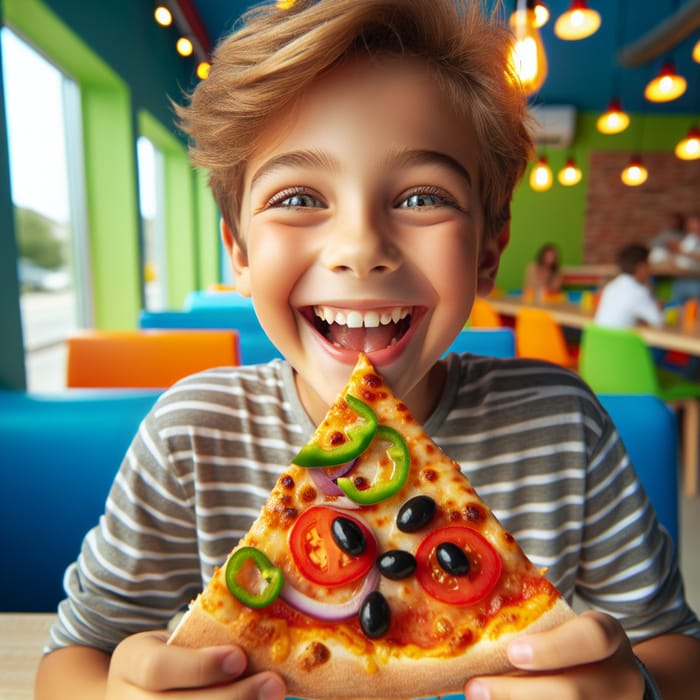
(534,441)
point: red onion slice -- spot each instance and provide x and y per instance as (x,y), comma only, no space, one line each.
(330,611)
(324,480)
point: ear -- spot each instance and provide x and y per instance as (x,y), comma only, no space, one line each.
(490,260)
(238,258)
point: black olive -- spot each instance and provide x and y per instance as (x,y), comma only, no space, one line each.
(375,616)
(416,513)
(348,536)
(452,559)
(396,564)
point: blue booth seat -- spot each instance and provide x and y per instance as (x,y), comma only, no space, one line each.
(60,453)
(493,342)
(255,346)
(206,299)
(649,429)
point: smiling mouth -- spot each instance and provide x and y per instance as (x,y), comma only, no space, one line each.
(362,331)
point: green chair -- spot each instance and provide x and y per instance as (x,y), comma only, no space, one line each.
(618,361)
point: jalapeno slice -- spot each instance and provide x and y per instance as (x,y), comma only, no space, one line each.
(355,441)
(271,573)
(380,490)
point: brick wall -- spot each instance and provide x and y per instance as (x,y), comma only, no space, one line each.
(617,214)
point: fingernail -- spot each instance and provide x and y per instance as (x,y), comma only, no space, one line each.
(520,653)
(476,691)
(271,689)
(233,664)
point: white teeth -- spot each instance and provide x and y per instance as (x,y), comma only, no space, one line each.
(353,320)
(358,319)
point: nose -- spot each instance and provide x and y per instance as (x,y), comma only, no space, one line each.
(362,246)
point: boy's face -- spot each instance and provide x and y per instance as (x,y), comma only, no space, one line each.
(362,226)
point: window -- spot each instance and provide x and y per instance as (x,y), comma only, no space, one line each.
(152,211)
(44,135)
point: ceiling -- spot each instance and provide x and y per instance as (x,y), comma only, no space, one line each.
(585,73)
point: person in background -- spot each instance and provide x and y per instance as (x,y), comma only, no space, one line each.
(627,301)
(687,250)
(542,275)
(664,243)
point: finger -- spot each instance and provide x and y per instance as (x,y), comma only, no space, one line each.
(145,661)
(586,683)
(585,639)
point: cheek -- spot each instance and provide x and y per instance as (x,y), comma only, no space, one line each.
(451,264)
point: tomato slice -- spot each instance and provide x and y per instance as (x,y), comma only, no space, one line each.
(319,558)
(484,566)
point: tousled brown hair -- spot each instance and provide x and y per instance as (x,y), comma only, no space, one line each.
(260,69)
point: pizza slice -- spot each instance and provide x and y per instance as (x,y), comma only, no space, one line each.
(374,569)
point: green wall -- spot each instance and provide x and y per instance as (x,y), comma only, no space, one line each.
(558,215)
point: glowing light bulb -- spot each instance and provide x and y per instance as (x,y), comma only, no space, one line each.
(570,174)
(689,147)
(202,70)
(527,55)
(184,46)
(666,86)
(635,173)
(541,177)
(696,52)
(541,14)
(614,120)
(578,22)
(163,16)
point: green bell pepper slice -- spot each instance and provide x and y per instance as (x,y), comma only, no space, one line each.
(271,573)
(358,439)
(399,454)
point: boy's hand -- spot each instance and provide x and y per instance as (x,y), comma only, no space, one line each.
(588,657)
(143,666)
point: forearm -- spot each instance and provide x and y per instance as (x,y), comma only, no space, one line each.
(78,673)
(674,662)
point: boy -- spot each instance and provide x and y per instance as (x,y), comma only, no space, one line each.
(363,154)
(627,301)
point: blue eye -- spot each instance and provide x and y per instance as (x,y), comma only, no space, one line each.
(296,200)
(421,200)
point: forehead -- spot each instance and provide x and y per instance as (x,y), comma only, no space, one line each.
(370,97)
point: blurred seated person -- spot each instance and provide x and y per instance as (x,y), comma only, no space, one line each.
(688,257)
(664,244)
(542,275)
(627,301)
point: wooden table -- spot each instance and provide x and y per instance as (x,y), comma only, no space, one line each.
(22,639)
(573,316)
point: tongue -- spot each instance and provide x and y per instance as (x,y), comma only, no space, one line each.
(362,339)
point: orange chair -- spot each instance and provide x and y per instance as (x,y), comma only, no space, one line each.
(146,358)
(538,335)
(484,315)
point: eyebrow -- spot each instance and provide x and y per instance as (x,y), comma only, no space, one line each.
(427,157)
(294,159)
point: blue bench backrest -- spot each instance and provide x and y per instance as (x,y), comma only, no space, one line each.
(58,458)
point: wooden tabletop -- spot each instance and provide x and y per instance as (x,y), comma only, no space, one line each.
(22,638)
(573,316)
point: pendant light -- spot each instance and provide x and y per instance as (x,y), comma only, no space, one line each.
(614,120)
(578,22)
(541,176)
(666,86)
(696,51)
(570,174)
(541,14)
(163,16)
(527,55)
(689,147)
(635,173)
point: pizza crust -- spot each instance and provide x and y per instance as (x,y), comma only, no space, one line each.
(354,677)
